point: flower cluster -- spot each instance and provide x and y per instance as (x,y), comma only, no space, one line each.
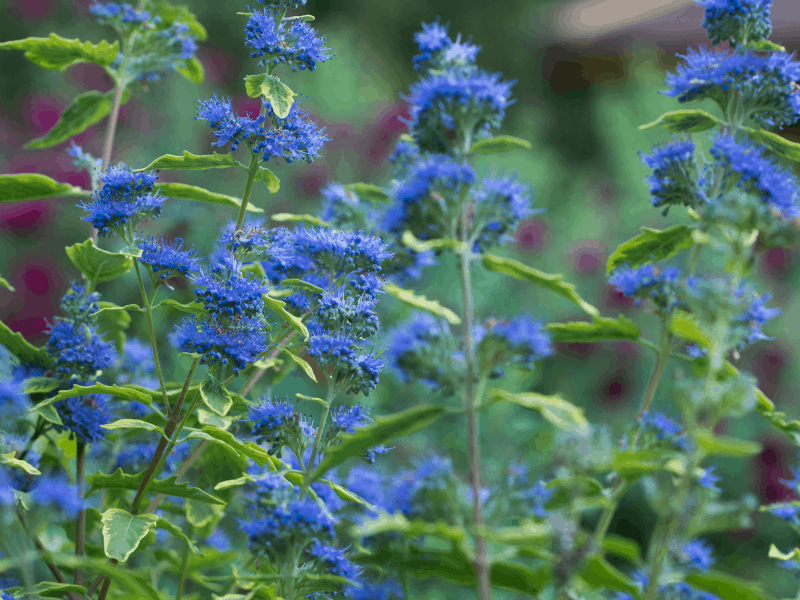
(655,281)
(167,260)
(294,43)
(415,349)
(764,85)
(520,340)
(278,424)
(84,416)
(675,178)
(665,429)
(78,350)
(78,304)
(737,21)
(294,137)
(438,51)
(125,200)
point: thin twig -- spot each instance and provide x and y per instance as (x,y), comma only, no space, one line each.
(80,525)
(187,464)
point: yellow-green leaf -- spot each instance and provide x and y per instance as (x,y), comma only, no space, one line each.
(555,409)
(652,245)
(123,531)
(687,121)
(192,192)
(419,301)
(32,186)
(55,52)
(96,264)
(191,162)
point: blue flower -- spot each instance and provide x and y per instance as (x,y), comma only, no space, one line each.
(230,295)
(527,339)
(764,84)
(278,423)
(57,493)
(109,10)
(138,357)
(385,590)
(708,480)
(342,252)
(283,4)
(500,204)
(350,418)
(438,51)
(238,344)
(335,559)
(737,20)
(219,541)
(446,102)
(539,495)
(289,524)
(135,457)
(698,554)
(367,483)
(126,198)
(665,428)
(78,350)
(674,179)
(341,207)
(294,43)
(371,454)
(786,512)
(355,370)
(254,241)
(341,311)
(168,260)
(749,169)
(78,305)
(756,316)
(410,346)
(84,416)
(655,281)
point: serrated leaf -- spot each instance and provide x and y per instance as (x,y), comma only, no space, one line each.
(40,385)
(126,393)
(652,245)
(499,143)
(292,218)
(369,192)
(20,347)
(599,573)
(247,449)
(9,459)
(133,424)
(554,283)
(215,396)
(601,329)
(301,363)
(277,307)
(269,179)
(4,283)
(162,523)
(726,587)
(410,298)
(32,186)
(252,84)
(123,531)
(779,145)
(418,245)
(84,111)
(192,192)
(720,445)
(191,162)
(279,95)
(555,409)
(96,264)
(169,487)
(55,52)
(382,430)
(687,121)
(192,69)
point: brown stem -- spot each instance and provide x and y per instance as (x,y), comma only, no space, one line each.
(179,473)
(108,142)
(40,547)
(80,525)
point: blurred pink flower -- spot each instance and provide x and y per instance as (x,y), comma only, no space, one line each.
(221,67)
(588,257)
(31,10)
(91,76)
(532,235)
(777,262)
(41,112)
(382,133)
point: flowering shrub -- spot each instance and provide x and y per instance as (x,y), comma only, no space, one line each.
(206,489)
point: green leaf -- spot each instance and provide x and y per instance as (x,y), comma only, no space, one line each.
(4,283)
(162,523)
(726,587)
(40,385)
(418,245)
(20,347)
(623,547)
(200,514)
(252,84)
(687,121)
(133,424)
(295,283)
(303,17)
(194,308)
(382,430)
(652,245)
(135,585)
(775,553)
(224,485)
(191,162)
(60,53)
(311,399)
(279,95)
(244,449)
(132,251)
(520,535)
(778,421)
(181,14)
(192,70)
(96,264)
(555,409)
(48,413)
(764,46)
(169,487)
(291,218)
(720,445)
(269,179)
(113,308)
(346,494)
(499,143)
(779,145)
(685,325)
(84,111)
(8,459)
(123,531)
(215,396)
(601,329)
(48,589)
(192,192)
(396,522)
(369,192)
(555,283)
(114,324)
(632,464)
(409,298)
(126,393)
(32,186)
(599,573)
(276,306)
(301,363)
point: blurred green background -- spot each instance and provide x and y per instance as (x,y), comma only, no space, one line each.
(578,101)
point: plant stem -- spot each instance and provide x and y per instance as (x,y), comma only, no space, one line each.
(148,312)
(40,547)
(187,464)
(251,177)
(40,425)
(317,439)
(184,570)
(481,565)
(80,525)
(172,423)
